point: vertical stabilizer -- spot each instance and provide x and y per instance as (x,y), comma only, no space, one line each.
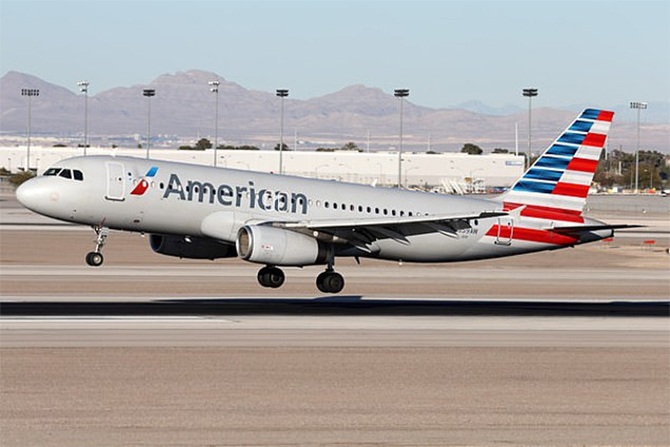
(560,179)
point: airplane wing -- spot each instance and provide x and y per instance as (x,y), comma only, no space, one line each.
(359,232)
(348,223)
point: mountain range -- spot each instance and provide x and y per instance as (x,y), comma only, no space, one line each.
(183,109)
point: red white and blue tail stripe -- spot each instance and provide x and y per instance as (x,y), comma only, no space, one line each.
(560,179)
(546,204)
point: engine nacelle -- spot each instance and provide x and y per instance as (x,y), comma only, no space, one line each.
(190,247)
(276,246)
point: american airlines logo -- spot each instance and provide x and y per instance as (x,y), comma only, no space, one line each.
(237,196)
(143,185)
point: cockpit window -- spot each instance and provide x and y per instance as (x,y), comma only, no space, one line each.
(52,171)
(65,173)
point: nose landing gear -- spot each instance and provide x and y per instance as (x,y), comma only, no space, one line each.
(95,258)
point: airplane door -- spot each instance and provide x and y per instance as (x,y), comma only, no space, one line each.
(115,181)
(505,231)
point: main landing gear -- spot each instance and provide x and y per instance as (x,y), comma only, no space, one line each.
(330,281)
(327,282)
(95,258)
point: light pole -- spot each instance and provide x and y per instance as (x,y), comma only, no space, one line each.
(282,93)
(29,92)
(149,92)
(639,106)
(214,88)
(530,93)
(401,93)
(83,87)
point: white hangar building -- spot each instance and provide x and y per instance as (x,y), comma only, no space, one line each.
(449,172)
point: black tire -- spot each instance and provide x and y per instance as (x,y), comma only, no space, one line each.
(94,259)
(275,278)
(330,282)
(321,282)
(335,282)
(271,277)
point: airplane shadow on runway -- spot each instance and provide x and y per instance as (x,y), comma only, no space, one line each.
(351,305)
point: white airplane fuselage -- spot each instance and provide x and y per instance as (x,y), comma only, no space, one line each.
(180,197)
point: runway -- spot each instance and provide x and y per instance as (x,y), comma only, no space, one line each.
(562,348)
(622,271)
(337,380)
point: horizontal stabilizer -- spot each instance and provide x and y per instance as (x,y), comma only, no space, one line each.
(580,229)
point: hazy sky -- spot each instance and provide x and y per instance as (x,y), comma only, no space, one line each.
(603,53)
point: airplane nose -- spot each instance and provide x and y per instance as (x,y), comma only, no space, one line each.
(24,193)
(30,194)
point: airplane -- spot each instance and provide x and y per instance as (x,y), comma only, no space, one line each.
(200,212)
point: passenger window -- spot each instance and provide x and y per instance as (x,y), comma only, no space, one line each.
(78,175)
(66,173)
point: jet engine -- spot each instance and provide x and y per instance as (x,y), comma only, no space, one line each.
(276,246)
(190,247)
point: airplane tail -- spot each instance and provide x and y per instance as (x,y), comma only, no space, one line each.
(559,181)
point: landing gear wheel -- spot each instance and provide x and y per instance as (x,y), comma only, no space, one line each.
(94,259)
(271,277)
(330,282)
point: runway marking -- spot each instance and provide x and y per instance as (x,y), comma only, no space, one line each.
(372,323)
(338,332)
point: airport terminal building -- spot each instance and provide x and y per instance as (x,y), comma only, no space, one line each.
(447,172)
